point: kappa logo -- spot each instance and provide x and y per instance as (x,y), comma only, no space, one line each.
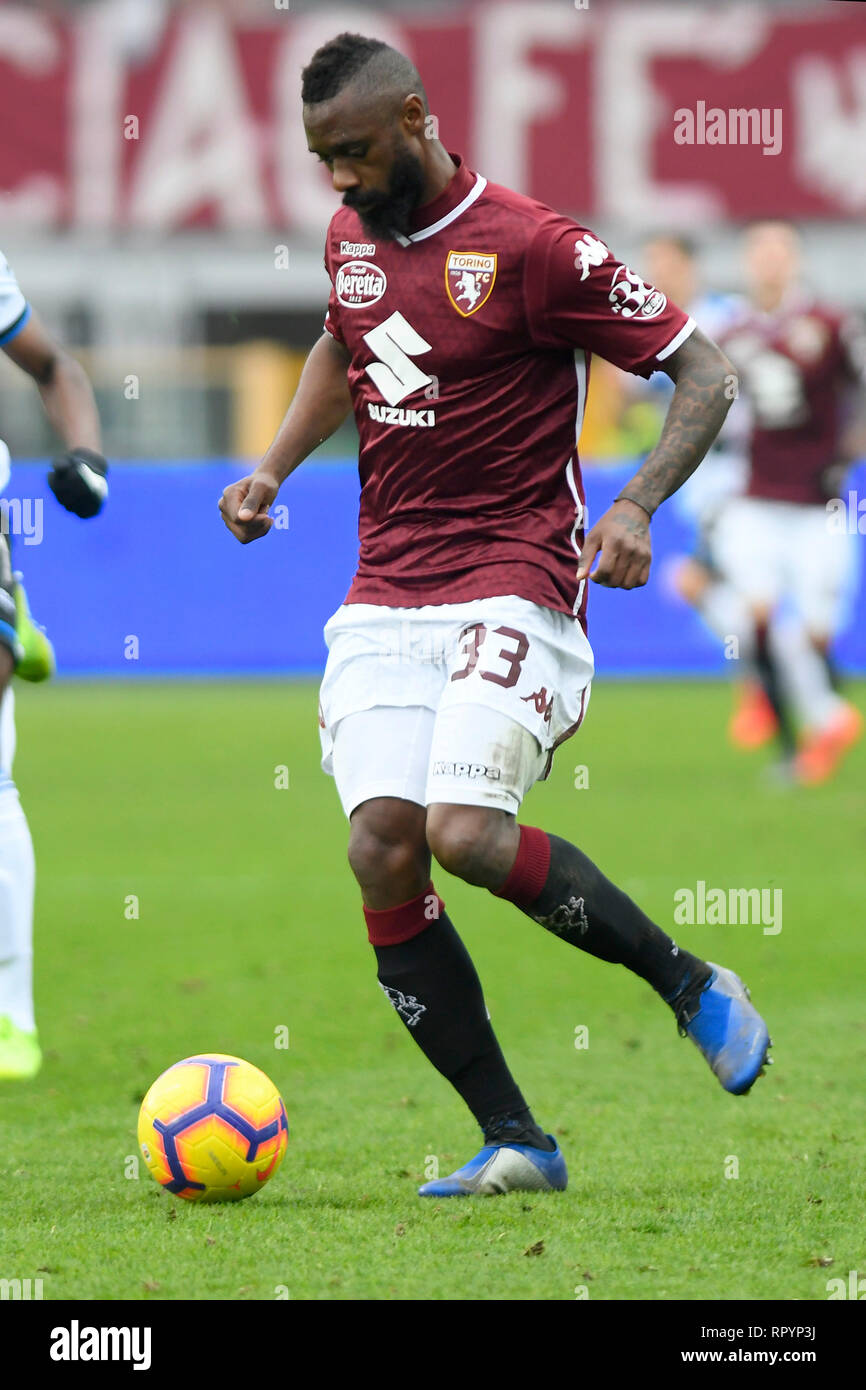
(443,769)
(357,248)
(568,916)
(469,279)
(589,251)
(630,295)
(359,283)
(541,702)
(406,1005)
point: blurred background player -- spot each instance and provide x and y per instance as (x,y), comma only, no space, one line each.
(672,263)
(800,364)
(78,481)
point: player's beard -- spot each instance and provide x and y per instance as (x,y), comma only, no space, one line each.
(384,214)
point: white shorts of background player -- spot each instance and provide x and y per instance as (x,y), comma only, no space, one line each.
(772,551)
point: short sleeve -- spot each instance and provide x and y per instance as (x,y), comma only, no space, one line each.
(332,317)
(14,309)
(577,294)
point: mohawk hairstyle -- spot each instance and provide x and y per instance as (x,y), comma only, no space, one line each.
(350,56)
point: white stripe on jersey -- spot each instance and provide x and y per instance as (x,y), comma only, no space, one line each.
(472,196)
(686,331)
(580,368)
(580,514)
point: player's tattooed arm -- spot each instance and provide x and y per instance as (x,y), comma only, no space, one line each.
(320,406)
(705,387)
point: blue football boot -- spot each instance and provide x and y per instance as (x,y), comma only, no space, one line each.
(726,1027)
(500,1168)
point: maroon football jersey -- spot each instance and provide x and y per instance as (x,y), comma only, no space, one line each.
(470,343)
(795,368)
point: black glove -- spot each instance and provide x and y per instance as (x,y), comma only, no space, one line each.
(77,479)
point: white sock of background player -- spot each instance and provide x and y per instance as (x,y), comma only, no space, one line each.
(804,675)
(726,614)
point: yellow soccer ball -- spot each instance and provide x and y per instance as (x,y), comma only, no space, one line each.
(213,1128)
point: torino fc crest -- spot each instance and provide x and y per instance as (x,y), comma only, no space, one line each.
(469,279)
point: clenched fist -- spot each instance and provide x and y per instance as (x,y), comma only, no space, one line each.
(244,506)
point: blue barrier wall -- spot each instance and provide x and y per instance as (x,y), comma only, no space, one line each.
(160,566)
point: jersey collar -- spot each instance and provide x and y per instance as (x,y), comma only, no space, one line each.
(458,195)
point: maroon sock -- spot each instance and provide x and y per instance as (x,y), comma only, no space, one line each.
(530,869)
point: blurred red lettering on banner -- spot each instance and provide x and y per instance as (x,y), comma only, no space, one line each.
(619,113)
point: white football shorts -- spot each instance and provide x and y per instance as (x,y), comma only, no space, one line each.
(457,702)
(770,551)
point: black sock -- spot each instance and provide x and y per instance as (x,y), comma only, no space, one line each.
(577,903)
(433,985)
(768,673)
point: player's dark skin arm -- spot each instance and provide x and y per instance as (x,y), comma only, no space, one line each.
(63,385)
(320,406)
(705,388)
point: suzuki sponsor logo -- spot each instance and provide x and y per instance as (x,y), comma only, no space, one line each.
(400,415)
(359,283)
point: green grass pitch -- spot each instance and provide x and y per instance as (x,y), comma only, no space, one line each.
(249,922)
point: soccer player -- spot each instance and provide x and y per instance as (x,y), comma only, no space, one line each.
(672,264)
(802,367)
(460,326)
(78,481)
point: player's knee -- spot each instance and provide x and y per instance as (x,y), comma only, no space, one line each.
(761,614)
(387,844)
(463,839)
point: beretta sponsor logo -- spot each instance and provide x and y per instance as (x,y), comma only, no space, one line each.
(359,283)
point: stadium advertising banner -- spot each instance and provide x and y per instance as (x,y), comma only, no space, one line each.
(188,120)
